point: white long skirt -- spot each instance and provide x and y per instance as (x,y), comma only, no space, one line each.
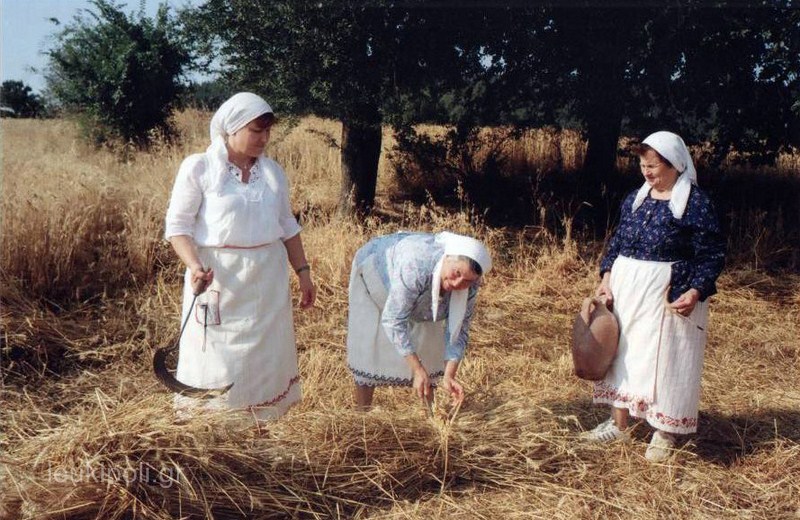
(371,357)
(656,374)
(241,332)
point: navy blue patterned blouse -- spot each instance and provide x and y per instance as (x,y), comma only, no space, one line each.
(694,243)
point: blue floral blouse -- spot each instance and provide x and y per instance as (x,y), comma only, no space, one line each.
(694,243)
(405,262)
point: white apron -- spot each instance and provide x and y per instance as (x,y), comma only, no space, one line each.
(241,332)
(656,374)
(372,358)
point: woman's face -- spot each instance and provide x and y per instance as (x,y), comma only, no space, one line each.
(456,274)
(658,174)
(251,139)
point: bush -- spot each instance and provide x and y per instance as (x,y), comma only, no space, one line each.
(119,72)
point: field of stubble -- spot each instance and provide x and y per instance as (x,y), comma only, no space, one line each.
(89,291)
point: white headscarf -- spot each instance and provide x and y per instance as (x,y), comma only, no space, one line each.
(230,117)
(672,148)
(457,245)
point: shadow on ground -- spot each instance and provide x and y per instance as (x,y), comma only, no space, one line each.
(721,438)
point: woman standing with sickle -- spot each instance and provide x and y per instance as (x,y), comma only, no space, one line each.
(230,222)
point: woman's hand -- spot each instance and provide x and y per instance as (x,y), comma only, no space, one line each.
(449,383)
(603,290)
(684,305)
(454,388)
(308,291)
(201,278)
(298,261)
(186,249)
(422,384)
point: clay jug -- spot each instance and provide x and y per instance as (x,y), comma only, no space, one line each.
(595,335)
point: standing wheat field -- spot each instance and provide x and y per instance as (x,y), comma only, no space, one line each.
(90,290)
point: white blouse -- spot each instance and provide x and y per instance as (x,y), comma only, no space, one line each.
(236,215)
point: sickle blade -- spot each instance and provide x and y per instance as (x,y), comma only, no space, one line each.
(168,380)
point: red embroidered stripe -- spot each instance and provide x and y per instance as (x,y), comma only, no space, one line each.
(281,397)
(609,393)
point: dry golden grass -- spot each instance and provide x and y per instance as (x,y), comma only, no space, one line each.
(85,424)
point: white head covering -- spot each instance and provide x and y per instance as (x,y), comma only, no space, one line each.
(230,117)
(673,149)
(457,245)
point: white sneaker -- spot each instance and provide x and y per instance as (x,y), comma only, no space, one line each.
(604,432)
(660,447)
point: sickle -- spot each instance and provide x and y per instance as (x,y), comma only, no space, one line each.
(169,380)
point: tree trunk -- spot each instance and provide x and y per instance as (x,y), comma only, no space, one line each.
(361,150)
(602,133)
(604,91)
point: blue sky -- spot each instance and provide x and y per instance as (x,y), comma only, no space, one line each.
(27,32)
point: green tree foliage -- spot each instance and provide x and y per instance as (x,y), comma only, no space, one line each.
(721,72)
(725,73)
(19,97)
(205,95)
(364,63)
(120,72)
